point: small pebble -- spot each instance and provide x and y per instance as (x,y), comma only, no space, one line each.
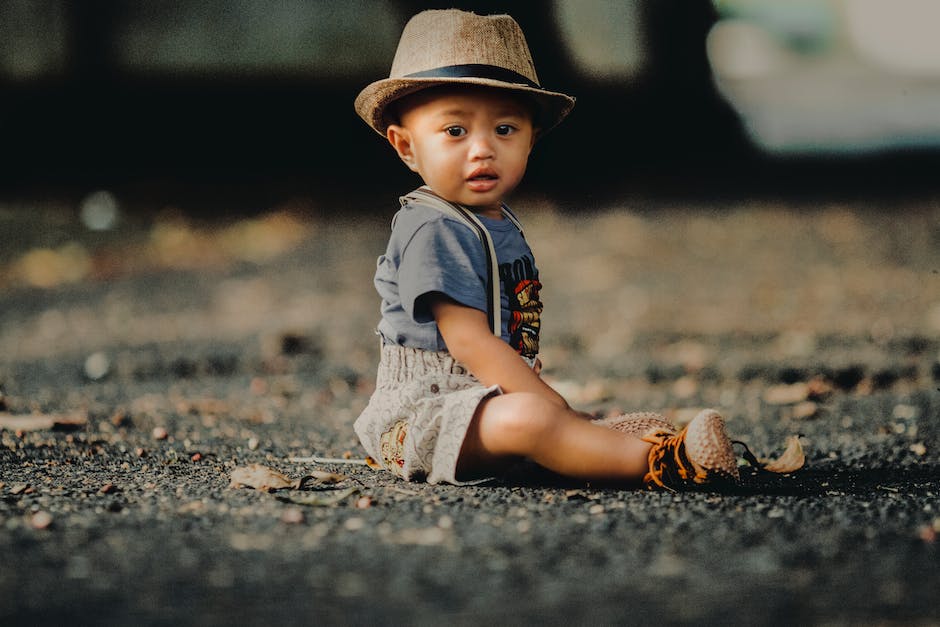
(354,524)
(40,520)
(100,211)
(160,433)
(363,502)
(927,534)
(196,457)
(97,366)
(293,516)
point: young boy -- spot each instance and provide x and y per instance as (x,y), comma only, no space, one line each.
(458,393)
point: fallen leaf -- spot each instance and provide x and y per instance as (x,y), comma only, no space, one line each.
(193,507)
(322,477)
(261,478)
(268,480)
(315,459)
(428,536)
(786,394)
(42,422)
(818,388)
(805,410)
(320,498)
(792,459)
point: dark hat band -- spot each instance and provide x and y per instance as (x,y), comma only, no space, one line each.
(476,70)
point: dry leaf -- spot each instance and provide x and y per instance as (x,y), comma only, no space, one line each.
(42,422)
(314,459)
(322,477)
(318,498)
(805,410)
(786,394)
(267,480)
(261,478)
(791,460)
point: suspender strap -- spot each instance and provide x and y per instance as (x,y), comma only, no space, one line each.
(425,196)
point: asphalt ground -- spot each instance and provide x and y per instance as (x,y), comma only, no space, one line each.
(143,364)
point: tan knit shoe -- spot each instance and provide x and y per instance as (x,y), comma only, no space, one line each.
(700,453)
(637,423)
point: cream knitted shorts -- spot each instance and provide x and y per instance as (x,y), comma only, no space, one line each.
(418,416)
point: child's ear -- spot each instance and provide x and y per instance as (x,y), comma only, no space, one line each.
(400,139)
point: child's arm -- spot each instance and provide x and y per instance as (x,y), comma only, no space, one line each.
(469,339)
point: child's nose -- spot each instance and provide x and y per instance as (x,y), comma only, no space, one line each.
(481,147)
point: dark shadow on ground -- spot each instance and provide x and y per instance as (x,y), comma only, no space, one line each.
(818,481)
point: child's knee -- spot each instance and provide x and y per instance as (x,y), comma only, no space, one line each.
(519,419)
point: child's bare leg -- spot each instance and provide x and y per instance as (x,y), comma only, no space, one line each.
(527,425)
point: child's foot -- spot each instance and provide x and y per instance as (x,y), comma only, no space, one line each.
(700,453)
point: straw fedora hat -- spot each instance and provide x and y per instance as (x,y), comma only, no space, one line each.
(449,46)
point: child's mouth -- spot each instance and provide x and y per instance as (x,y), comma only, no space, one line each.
(482,179)
(482,182)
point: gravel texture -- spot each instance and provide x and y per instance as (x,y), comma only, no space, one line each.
(156,358)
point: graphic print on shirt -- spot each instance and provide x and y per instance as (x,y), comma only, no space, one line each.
(522,286)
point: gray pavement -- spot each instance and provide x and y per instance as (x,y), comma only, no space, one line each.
(181,349)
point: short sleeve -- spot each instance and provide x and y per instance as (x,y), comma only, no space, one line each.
(442,256)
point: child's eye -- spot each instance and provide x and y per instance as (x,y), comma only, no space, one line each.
(505,129)
(455,131)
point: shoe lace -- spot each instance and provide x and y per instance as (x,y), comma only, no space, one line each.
(668,462)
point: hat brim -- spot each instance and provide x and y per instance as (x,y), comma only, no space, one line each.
(372,102)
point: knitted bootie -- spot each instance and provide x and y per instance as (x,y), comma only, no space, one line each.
(638,423)
(700,453)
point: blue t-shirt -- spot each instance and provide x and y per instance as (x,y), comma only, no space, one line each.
(429,251)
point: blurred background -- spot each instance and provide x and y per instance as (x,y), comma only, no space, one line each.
(243,101)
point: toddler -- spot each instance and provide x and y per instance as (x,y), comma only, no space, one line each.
(458,393)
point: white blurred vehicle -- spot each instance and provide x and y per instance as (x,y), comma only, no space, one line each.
(830,76)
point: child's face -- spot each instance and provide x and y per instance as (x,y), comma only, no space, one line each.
(470,146)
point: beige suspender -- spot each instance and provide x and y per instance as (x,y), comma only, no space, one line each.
(425,196)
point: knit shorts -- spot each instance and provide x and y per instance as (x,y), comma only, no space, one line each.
(418,416)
